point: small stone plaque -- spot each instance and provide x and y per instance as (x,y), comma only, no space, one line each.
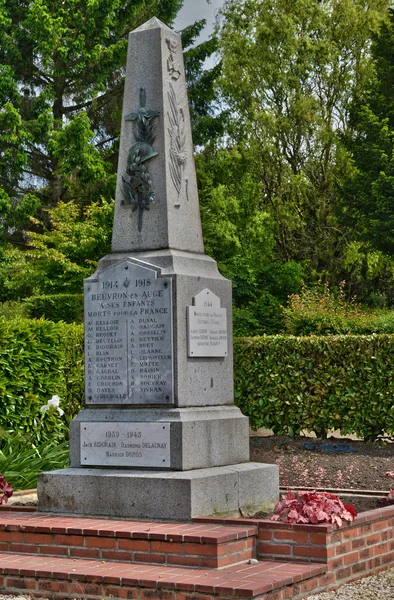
(207,326)
(128,336)
(125,444)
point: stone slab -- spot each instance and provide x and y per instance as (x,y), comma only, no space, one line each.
(120,444)
(128,335)
(176,496)
(207,326)
(198,438)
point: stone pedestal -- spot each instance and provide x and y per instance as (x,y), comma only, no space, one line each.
(199,437)
(174,496)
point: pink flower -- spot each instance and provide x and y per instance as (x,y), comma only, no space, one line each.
(312,507)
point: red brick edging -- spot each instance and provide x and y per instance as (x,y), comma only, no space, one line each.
(191,545)
(44,555)
(363,547)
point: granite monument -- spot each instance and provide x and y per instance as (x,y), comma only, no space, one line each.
(159,429)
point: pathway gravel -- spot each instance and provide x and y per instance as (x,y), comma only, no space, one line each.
(376,587)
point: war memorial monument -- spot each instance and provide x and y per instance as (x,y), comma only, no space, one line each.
(159,437)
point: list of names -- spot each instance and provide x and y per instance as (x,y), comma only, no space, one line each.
(128,337)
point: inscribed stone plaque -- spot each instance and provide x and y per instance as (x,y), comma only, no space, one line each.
(128,336)
(207,326)
(125,444)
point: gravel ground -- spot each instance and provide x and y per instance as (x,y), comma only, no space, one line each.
(376,587)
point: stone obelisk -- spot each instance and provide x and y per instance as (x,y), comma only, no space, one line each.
(159,428)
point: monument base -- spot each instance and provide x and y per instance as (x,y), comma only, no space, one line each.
(176,496)
(200,438)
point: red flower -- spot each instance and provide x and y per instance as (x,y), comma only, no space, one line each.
(312,507)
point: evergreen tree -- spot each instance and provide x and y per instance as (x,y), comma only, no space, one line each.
(369,189)
(207,115)
(61,84)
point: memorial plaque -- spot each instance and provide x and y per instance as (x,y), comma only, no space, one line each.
(125,444)
(207,326)
(128,336)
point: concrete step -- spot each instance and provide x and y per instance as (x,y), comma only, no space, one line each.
(64,578)
(205,545)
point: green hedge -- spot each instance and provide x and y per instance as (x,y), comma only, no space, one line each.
(344,382)
(284,383)
(39,359)
(57,307)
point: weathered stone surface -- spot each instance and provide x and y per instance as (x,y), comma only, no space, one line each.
(166,495)
(120,444)
(155,64)
(128,335)
(201,381)
(207,326)
(199,437)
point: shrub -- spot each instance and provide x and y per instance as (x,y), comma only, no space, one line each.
(21,460)
(37,360)
(262,316)
(289,384)
(381,321)
(58,307)
(12,310)
(320,311)
(312,507)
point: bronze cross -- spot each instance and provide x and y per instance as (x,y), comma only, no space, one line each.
(143,114)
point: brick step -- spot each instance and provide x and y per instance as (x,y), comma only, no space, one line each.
(63,578)
(205,545)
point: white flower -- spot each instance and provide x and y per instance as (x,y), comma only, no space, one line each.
(53,404)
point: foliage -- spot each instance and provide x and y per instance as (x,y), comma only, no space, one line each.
(69,249)
(368,273)
(312,507)
(56,307)
(318,310)
(289,71)
(12,310)
(369,188)
(6,489)
(239,235)
(39,358)
(15,282)
(61,73)
(21,459)
(62,255)
(344,382)
(208,119)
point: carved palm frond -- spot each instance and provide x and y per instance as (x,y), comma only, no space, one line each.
(174,130)
(173,115)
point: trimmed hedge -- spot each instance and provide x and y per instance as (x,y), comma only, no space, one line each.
(284,383)
(39,359)
(57,307)
(318,383)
